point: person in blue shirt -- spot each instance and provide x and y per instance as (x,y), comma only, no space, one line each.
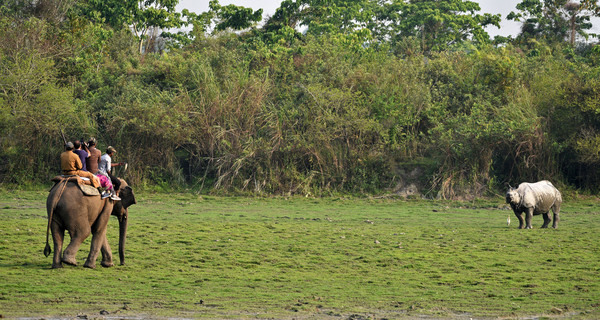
(80,149)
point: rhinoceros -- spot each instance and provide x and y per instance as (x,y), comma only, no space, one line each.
(533,199)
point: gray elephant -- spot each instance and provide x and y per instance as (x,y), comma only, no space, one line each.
(69,209)
(534,199)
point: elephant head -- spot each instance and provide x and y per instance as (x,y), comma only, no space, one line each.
(120,210)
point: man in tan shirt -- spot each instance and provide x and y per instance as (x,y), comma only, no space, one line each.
(71,165)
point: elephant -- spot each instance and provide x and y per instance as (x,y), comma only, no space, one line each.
(533,199)
(69,209)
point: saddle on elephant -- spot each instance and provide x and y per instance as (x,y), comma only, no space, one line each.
(83,183)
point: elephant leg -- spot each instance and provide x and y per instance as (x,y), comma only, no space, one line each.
(106,254)
(98,240)
(58,236)
(77,238)
(546,219)
(528,218)
(520,217)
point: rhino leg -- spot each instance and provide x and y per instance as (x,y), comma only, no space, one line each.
(528,218)
(520,217)
(546,219)
(556,210)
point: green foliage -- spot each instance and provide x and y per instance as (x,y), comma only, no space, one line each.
(437,24)
(34,106)
(218,19)
(553,20)
(477,116)
(323,16)
(77,61)
(234,17)
(144,17)
(367,92)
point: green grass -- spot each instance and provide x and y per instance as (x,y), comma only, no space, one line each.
(218,257)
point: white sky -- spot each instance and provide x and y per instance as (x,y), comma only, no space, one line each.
(504,7)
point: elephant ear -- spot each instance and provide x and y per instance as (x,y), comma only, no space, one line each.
(127,197)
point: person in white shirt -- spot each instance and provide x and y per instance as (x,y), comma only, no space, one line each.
(105,166)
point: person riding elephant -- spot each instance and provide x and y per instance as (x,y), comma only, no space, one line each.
(105,168)
(94,159)
(81,151)
(70,209)
(71,165)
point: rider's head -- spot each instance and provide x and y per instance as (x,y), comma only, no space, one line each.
(111,151)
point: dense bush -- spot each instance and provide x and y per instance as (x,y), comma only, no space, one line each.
(313,114)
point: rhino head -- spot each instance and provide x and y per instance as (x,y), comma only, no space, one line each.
(512,196)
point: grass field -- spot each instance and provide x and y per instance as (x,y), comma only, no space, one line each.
(192,256)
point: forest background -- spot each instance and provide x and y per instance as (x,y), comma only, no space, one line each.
(325,96)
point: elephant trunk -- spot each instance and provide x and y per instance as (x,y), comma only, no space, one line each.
(122,237)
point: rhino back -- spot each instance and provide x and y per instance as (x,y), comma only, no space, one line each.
(540,195)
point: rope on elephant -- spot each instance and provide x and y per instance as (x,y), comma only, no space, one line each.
(64,181)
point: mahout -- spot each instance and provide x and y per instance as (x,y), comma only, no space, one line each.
(534,199)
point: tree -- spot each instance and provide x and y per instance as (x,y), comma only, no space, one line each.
(234,17)
(218,18)
(144,17)
(438,24)
(323,16)
(554,20)
(54,11)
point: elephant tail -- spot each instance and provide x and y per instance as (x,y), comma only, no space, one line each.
(47,249)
